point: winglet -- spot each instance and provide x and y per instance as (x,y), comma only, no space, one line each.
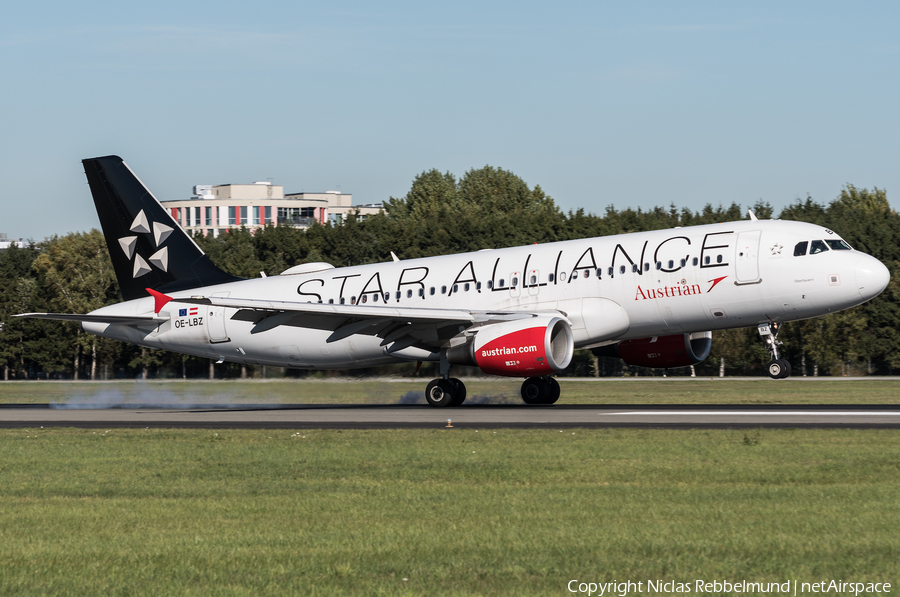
(159,298)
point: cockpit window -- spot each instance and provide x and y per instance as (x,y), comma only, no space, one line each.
(838,245)
(800,248)
(818,246)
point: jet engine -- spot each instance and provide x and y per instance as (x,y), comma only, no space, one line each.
(528,347)
(662,352)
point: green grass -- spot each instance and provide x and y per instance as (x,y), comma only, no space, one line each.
(456,512)
(603,391)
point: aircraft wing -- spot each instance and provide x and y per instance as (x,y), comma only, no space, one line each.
(399,327)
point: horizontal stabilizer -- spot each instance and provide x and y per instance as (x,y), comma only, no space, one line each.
(114,319)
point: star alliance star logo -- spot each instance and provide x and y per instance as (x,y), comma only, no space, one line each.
(160,259)
(776,249)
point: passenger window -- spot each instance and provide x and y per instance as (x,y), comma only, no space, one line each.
(562,276)
(817,247)
(646,267)
(502,282)
(550,278)
(838,245)
(800,248)
(330,301)
(342,300)
(365,298)
(695,261)
(587,273)
(490,284)
(478,286)
(456,288)
(533,281)
(444,288)
(422,292)
(683,262)
(659,265)
(634,268)
(431,291)
(706,260)
(621,269)
(352,300)
(513,283)
(387,296)
(409,294)
(718,259)
(609,272)
(466,287)
(598,272)
(671,264)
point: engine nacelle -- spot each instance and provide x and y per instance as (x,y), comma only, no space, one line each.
(662,352)
(529,347)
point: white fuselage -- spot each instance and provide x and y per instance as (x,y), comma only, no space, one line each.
(659,283)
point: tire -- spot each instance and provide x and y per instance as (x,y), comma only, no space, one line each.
(533,391)
(439,393)
(459,392)
(776,369)
(786,369)
(552,391)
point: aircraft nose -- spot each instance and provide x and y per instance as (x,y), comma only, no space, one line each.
(872,277)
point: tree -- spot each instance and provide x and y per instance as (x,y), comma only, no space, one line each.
(79,278)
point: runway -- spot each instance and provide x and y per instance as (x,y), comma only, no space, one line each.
(394,416)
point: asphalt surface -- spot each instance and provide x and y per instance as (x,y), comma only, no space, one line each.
(394,416)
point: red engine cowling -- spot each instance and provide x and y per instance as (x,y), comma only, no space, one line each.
(520,348)
(662,352)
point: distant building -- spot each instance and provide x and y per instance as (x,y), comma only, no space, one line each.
(5,242)
(214,209)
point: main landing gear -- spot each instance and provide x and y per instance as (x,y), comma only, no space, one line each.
(778,368)
(449,391)
(445,390)
(540,390)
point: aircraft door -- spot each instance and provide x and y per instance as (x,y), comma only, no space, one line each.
(215,318)
(747,257)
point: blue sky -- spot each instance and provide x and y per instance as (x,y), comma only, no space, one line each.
(629,104)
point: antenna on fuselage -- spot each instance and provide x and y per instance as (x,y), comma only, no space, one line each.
(394,257)
(752,215)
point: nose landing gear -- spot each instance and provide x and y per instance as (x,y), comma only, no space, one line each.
(778,368)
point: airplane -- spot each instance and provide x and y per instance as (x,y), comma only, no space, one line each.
(652,299)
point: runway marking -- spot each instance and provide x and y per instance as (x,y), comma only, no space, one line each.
(710,413)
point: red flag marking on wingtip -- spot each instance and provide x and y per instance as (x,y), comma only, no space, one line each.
(159,298)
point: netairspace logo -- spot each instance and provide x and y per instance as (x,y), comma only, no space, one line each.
(790,587)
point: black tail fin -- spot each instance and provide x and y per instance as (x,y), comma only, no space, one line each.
(147,246)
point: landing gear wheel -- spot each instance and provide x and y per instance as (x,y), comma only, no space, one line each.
(779,369)
(440,392)
(786,369)
(540,390)
(533,390)
(459,392)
